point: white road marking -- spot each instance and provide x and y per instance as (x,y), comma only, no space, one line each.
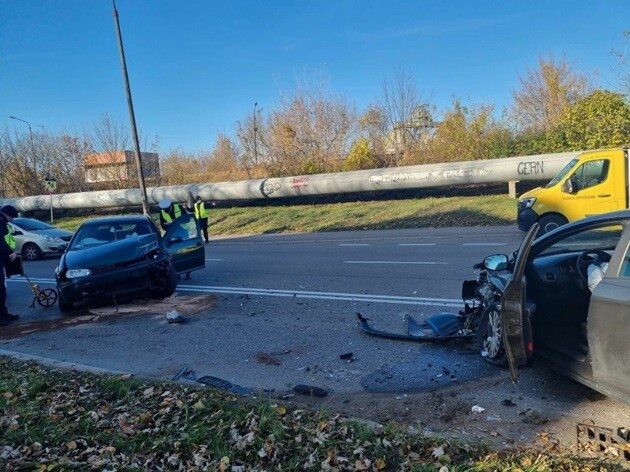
(353,244)
(353,297)
(214,259)
(484,244)
(416,244)
(396,262)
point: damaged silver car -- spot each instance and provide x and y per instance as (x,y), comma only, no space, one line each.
(567,299)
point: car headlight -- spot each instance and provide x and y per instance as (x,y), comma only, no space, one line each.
(528,202)
(74,273)
(51,239)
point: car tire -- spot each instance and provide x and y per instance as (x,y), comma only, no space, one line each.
(550,222)
(64,305)
(169,287)
(489,338)
(31,252)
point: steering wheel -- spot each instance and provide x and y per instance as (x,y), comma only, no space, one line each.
(588,257)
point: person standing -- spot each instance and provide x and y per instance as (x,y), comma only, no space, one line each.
(7,254)
(201,215)
(169,212)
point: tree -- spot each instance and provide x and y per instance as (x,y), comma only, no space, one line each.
(360,156)
(602,119)
(408,116)
(546,93)
(308,133)
(466,133)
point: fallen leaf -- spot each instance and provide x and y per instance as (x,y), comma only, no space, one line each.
(72,445)
(380,464)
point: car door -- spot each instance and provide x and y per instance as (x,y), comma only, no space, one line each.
(609,325)
(515,323)
(183,241)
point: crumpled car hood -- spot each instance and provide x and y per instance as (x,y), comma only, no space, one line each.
(111,254)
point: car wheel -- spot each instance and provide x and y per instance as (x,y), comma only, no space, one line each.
(31,252)
(489,338)
(550,222)
(64,305)
(169,286)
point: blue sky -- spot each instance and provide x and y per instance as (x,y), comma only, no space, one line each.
(196,67)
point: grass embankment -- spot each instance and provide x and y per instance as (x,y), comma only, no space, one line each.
(388,214)
(62,420)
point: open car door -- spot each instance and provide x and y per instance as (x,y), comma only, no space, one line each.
(183,241)
(515,323)
(608,325)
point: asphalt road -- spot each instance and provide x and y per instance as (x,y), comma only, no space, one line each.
(274,311)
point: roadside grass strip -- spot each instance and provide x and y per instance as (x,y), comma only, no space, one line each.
(55,419)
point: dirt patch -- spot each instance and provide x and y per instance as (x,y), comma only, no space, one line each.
(186,305)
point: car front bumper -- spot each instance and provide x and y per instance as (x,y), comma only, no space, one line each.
(142,276)
(526,217)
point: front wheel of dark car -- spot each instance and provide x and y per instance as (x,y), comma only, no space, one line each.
(168,286)
(489,340)
(64,305)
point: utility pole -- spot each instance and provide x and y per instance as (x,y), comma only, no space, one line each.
(30,133)
(132,117)
(255,136)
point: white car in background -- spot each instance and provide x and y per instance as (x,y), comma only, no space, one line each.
(34,238)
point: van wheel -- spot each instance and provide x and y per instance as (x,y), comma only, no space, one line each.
(31,252)
(489,339)
(550,222)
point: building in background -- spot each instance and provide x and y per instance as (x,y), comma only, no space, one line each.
(120,166)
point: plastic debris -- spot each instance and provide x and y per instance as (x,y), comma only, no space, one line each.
(477,409)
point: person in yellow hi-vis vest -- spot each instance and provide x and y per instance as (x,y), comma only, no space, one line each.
(169,212)
(7,255)
(201,215)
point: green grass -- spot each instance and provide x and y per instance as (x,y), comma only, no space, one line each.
(54,419)
(388,214)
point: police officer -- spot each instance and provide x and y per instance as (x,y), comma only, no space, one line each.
(7,253)
(201,215)
(169,212)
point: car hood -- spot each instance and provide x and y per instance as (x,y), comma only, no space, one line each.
(54,232)
(111,254)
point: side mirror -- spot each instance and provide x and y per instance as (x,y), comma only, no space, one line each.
(567,186)
(496,262)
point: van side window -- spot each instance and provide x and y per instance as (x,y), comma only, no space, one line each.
(590,173)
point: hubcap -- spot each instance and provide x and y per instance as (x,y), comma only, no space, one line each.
(492,341)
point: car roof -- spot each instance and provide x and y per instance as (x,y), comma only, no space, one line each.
(116,220)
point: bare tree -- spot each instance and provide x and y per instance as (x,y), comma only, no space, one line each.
(408,114)
(623,64)
(308,133)
(545,94)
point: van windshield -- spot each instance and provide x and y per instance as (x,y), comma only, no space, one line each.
(562,174)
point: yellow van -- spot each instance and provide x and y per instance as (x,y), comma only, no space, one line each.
(594,182)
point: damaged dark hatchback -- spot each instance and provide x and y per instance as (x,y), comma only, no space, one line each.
(116,256)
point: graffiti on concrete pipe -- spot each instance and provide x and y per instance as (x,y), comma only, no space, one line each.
(298,182)
(440,175)
(530,167)
(268,188)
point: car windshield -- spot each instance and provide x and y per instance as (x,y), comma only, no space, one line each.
(602,238)
(562,174)
(29,224)
(104,233)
